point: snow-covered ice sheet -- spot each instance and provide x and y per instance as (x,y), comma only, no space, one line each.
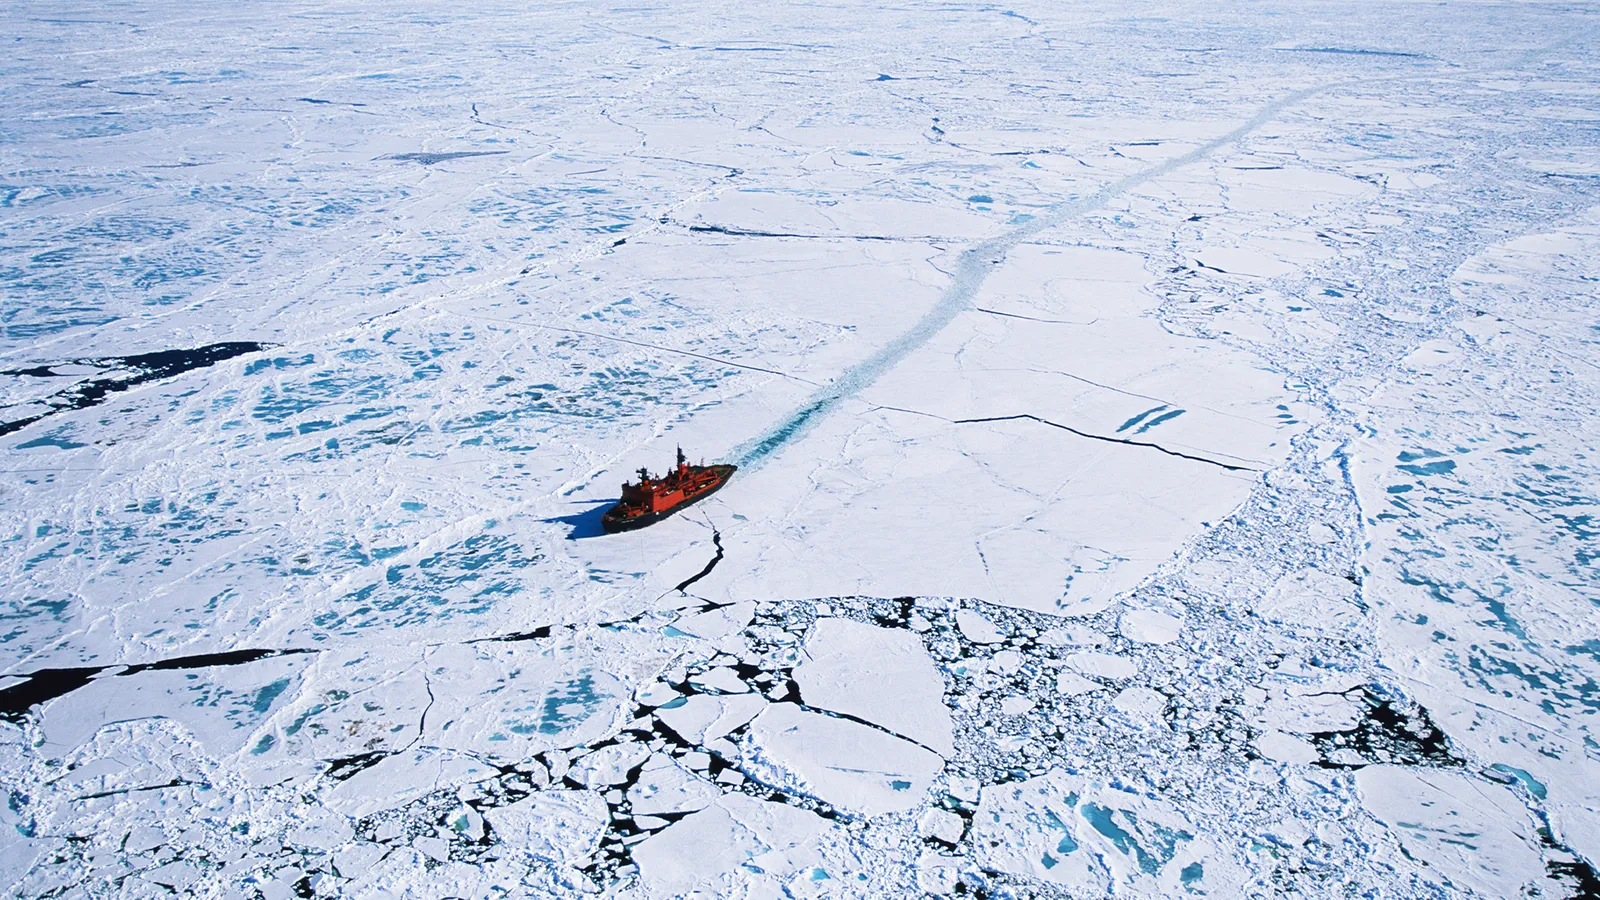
(1166,436)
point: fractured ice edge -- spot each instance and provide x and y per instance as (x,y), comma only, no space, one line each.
(764,764)
(1169,433)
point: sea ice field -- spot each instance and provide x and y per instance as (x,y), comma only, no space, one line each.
(1169,461)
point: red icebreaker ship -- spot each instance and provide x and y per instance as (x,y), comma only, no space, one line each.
(653,499)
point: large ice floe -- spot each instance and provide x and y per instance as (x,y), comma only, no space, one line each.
(1166,439)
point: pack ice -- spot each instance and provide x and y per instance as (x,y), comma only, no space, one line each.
(1166,445)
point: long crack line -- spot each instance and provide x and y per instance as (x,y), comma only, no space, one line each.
(1110,440)
(716,538)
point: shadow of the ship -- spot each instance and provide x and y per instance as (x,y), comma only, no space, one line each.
(586,524)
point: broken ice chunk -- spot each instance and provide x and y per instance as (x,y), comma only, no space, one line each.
(514,700)
(1010,743)
(353,860)
(664,786)
(1015,706)
(963,789)
(143,837)
(941,825)
(721,679)
(175,875)
(561,826)
(1309,714)
(699,850)
(977,629)
(1286,748)
(1096,840)
(397,780)
(559,762)
(881,675)
(1150,627)
(656,693)
(1106,665)
(432,847)
(1071,685)
(320,830)
(220,705)
(1006,661)
(718,623)
(971,666)
(1141,705)
(466,822)
(704,718)
(938,875)
(608,765)
(844,763)
(1475,833)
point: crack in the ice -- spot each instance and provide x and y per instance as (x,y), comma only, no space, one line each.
(716,538)
(146,367)
(733,171)
(1352,51)
(1125,393)
(860,721)
(742,232)
(429,159)
(176,782)
(1202,265)
(542,631)
(45,685)
(422,720)
(1391,731)
(996,312)
(343,767)
(1110,440)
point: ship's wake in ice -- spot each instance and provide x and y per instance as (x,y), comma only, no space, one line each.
(1166,442)
(972,267)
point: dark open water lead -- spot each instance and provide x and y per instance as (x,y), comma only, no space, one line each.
(140,369)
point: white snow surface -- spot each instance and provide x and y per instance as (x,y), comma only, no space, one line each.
(841,762)
(1478,836)
(881,675)
(1166,441)
(703,718)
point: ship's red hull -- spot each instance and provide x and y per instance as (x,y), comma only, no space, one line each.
(662,498)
